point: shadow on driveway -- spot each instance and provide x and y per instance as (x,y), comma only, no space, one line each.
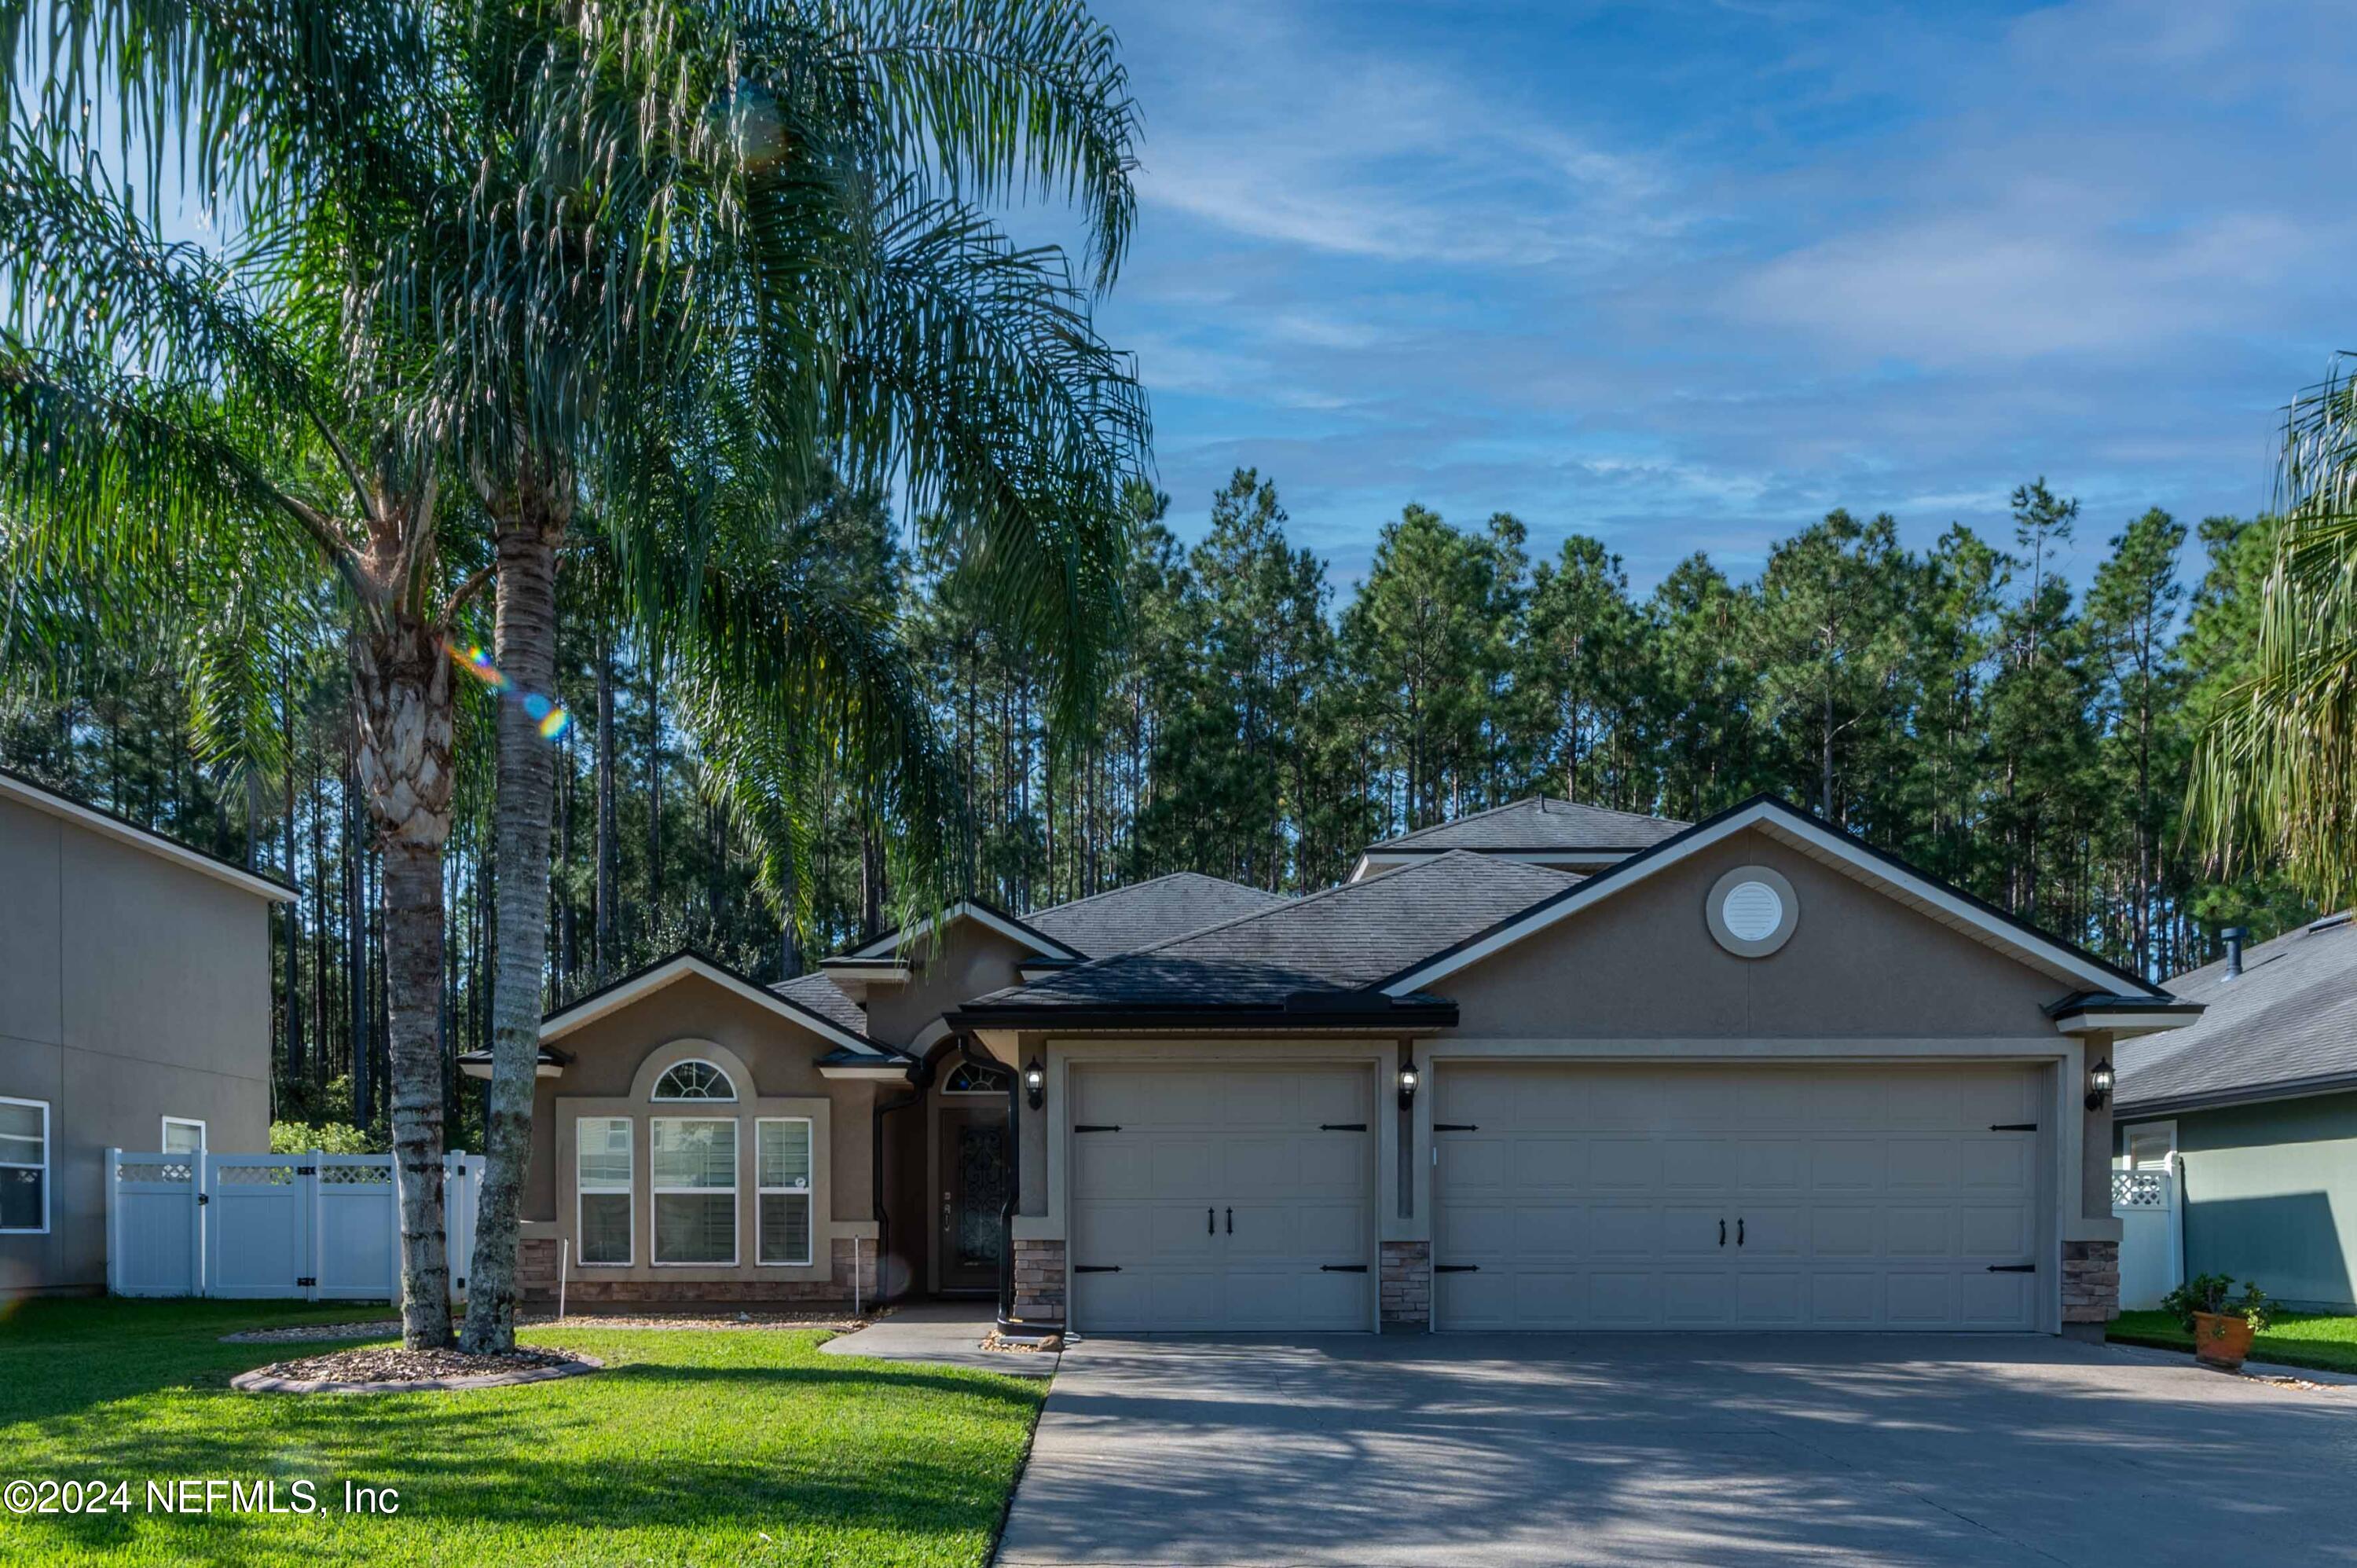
(1720,1449)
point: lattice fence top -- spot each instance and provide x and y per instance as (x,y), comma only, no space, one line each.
(254,1175)
(355,1175)
(2140,1189)
(178,1171)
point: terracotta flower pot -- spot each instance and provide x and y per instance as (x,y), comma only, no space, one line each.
(2221,1340)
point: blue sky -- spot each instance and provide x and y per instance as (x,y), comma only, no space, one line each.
(1685,276)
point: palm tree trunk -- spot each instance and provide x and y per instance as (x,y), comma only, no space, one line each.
(403,763)
(525,649)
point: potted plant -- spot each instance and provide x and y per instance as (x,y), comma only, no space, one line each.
(2221,1326)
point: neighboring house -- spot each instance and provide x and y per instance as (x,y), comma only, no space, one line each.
(1749,1073)
(135,1014)
(2253,1110)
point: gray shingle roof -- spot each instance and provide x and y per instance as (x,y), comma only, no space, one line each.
(1540,823)
(1336,942)
(2288,1022)
(820,993)
(1148,912)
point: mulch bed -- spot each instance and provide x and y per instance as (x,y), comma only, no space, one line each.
(392,1370)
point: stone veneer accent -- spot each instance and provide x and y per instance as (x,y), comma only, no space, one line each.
(1040,1281)
(536,1269)
(1407,1284)
(2090,1281)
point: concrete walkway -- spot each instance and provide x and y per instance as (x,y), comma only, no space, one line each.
(1726,1450)
(940,1334)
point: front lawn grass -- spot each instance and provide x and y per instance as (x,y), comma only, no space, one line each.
(692,1448)
(2324,1341)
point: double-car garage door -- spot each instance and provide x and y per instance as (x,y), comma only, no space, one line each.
(1719,1197)
(1564,1195)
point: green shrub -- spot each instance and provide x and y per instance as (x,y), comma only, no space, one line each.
(327,1138)
(2207,1293)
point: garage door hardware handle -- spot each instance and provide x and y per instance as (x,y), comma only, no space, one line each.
(1722,1232)
(2013,1126)
(1341,1126)
(1209,1228)
(1095,1127)
(2013,1268)
(1096,1268)
(1455,1126)
(1231,1221)
(1342,1268)
(1456,1268)
(1738,1233)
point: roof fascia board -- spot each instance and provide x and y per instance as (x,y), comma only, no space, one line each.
(1006,926)
(1801,832)
(563,1022)
(108,826)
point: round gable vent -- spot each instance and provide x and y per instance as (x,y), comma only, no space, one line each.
(1751,911)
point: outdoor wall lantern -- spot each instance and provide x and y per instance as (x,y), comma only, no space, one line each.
(1409,1075)
(1035,1083)
(2099,1084)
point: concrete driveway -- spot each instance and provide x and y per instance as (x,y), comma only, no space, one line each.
(1703,1449)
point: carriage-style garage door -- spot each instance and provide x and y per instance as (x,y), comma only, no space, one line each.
(1721,1197)
(1222,1197)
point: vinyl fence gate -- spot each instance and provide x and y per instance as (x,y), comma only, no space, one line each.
(310,1226)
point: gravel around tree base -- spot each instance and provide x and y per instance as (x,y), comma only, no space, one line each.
(390,1364)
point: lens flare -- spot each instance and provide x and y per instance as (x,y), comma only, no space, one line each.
(548,715)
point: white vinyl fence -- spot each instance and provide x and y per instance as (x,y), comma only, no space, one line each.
(314,1227)
(2152,1235)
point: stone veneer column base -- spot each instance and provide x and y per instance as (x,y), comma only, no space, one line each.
(1407,1286)
(2090,1281)
(1040,1281)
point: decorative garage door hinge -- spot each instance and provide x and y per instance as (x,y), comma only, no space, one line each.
(2013,1126)
(1096,1268)
(1455,1126)
(1096,1127)
(1341,1126)
(1343,1268)
(2013,1268)
(1456,1268)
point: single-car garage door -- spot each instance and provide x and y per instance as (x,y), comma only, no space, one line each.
(1222,1198)
(1724,1197)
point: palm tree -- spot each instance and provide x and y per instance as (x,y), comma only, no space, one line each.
(761,223)
(205,453)
(2275,776)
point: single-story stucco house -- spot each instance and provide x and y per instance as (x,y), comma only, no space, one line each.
(1547,1067)
(135,1014)
(2253,1109)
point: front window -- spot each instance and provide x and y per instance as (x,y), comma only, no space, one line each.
(694,1080)
(183,1135)
(785,1190)
(695,1161)
(602,1165)
(24,1164)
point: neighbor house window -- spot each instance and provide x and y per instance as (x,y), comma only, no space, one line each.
(694,1080)
(24,1164)
(784,1179)
(601,1153)
(695,1161)
(183,1135)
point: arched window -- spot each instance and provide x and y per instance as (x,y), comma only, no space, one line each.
(968,1078)
(694,1080)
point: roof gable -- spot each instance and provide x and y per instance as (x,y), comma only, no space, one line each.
(976,910)
(24,792)
(636,987)
(1821,841)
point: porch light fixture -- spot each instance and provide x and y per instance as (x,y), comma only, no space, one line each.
(1035,1083)
(2099,1084)
(1409,1077)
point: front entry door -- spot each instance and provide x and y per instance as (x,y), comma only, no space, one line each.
(973,1192)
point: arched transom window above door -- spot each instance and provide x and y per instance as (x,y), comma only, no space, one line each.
(695,1081)
(966,1078)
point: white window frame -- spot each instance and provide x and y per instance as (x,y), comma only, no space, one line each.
(164,1136)
(734,1189)
(997,1093)
(808,1193)
(628,1190)
(47,1167)
(658,1097)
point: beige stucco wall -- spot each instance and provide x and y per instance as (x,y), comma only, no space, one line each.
(131,989)
(607,1053)
(967,961)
